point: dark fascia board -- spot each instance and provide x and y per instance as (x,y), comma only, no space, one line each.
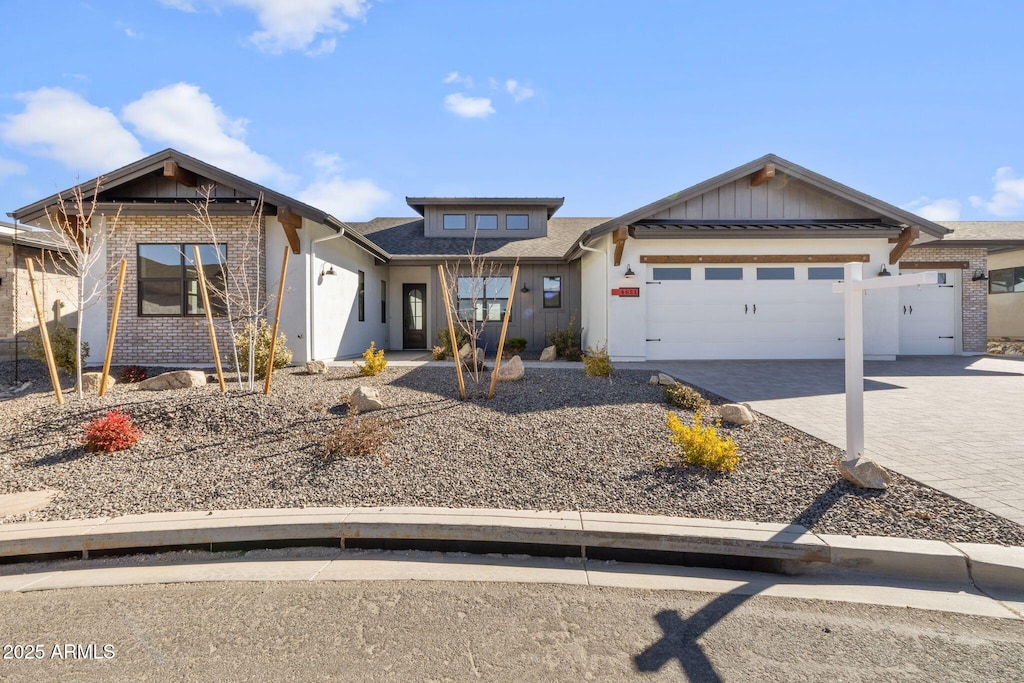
(1002,245)
(357,238)
(552,204)
(154,162)
(433,260)
(787,167)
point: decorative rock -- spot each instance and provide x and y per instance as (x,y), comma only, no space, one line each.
(91,381)
(365,399)
(865,473)
(666,381)
(175,379)
(511,370)
(23,387)
(548,354)
(466,351)
(654,380)
(736,413)
(316,367)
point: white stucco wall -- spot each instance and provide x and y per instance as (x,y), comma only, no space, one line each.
(595,294)
(1006,310)
(94,315)
(294,308)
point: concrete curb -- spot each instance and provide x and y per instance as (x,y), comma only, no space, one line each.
(786,548)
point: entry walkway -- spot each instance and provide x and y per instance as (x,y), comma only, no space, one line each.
(953,423)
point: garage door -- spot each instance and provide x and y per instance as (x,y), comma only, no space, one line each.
(928,317)
(744,312)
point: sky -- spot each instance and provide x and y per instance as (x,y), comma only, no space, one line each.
(352,105)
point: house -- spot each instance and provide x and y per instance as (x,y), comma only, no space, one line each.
(738,266)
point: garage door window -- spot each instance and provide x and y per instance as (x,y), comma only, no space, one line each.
(723,273)
(825,273)
(671,273)
(775,274)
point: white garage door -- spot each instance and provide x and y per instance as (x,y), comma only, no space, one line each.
(928,317)
(744,312)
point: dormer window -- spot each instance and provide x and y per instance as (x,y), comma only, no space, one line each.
(455,221)
(487,221)
(517,221)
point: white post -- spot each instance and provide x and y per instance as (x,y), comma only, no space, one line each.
(854,307)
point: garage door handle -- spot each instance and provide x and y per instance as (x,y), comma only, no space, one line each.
(755,309)
(945,337)
(745,307)
(904,310)
(653,340)
(911,310)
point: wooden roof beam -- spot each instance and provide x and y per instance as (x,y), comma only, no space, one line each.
(180,175)
(906,238)
(72,225)
(620,236)
(291,223)
(762,176)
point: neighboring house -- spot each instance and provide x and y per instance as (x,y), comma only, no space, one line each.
(56,289)
(738,266)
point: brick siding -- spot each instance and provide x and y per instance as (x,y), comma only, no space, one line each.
(974,295)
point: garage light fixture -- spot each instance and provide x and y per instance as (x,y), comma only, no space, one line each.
(979,276)
(525,289)
(629,271)
(324,270)
(883,272)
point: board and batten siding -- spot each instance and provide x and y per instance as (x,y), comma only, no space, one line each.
(780,198)
(155,186)
(433,221)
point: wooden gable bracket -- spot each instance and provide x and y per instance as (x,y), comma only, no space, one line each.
(72,225)
(290,222)
(762,176)
(620,236)
(906,238)
(180,175)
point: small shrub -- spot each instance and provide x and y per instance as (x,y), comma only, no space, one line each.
(439,353)
(515,344)
(597,363)
(567,340)
(357,436)
(375,362)
(573,354)
(114,432)
(682,396)
(701,446)
(282,354)
(62,342)
(130,374)
(461,339)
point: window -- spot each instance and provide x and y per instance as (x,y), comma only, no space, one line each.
(455,221)
(671,273)
(487,221)
(517,221)
(362,296)
(776,274)
(483,299)
(169,281)
(1006,280)
(553,292)
(723,273)
(825,273)
(383,301)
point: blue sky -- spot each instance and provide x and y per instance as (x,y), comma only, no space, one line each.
(353,105)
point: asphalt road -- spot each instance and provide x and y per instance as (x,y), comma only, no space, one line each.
(377,631)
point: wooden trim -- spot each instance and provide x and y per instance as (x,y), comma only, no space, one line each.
(620,236)
(906,238)
(180,175)
(763,175)
(759,258)
(286,217)
(935,265)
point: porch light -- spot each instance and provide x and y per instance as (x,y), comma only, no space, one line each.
(324,270)
(629,271)
(979,276)
(525,289)
(884,272)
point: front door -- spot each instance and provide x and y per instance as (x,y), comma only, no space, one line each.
(414,316)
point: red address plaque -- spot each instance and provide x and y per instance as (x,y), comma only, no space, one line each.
(626,291)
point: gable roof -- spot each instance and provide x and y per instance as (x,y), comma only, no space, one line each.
(893,213)
(996,236)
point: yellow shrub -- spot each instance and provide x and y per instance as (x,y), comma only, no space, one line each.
(375,362)
(702,446)
(597,363)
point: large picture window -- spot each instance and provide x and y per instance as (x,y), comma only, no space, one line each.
(1006,280)
(169,281)
(483,299)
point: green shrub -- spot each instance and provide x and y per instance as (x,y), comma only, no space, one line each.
(515,344)
(682,396)
(375,362)
(282,354)
(62,341)
(461,339)
(573,354)
(701,446)
(566,340)
(597,363)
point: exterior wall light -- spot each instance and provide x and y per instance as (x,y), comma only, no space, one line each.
(884,272)
(979,276)
(525,289)
(325,270)
(629,271)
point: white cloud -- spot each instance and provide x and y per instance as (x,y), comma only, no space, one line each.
(324,162)
(351,200)
(469,107)
(935,209)
(458,79)
(184,117)
(1008,198)
(518,91)
(9,167)
(61,125)
(305,25)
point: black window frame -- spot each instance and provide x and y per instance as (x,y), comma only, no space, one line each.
(478,216)
(487,300)
(384,301)
(1016,280)
(361,296)
(516,215)
(544,291)
(444,226)
(185,255)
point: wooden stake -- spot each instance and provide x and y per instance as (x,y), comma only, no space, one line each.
(201,276)
(504,329)
(44,333)
(277,321)
(451,330)
(113,327)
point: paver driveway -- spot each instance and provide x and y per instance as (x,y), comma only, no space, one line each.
(954,423)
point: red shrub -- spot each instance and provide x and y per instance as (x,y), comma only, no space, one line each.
(133,373)
(115,432)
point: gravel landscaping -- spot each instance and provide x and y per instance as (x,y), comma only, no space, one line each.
(555,440)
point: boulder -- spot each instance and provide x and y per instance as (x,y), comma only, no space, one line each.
(466,351)
(511,370)
(666,381)
(654,380)
(175,379)
(865,473)
(365,399)
(91,382)
(316,367)
(548,354)
(736,413)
